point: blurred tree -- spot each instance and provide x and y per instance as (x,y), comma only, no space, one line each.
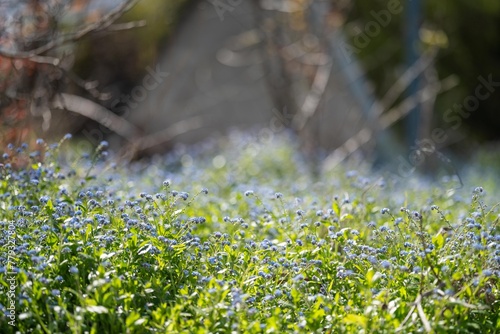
(36,45)
(468,35)
(41,64)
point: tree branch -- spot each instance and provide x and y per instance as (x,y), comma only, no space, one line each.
(100,25)
(96,112)
(387,119)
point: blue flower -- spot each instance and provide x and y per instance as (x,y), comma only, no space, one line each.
(298,278)
(385,264)
(487,273)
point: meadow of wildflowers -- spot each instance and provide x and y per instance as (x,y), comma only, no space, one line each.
(240,237)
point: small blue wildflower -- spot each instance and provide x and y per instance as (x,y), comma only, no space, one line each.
(477,246)
(298,278)
(385,264)
(478,190)
(487,272)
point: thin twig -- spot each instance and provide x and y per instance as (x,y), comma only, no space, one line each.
(387,119)
(403,83)
(169,133)
(421,314)
(127,26)
(121,126)
(401,326)
(102,24)
(96,112)
(313,98)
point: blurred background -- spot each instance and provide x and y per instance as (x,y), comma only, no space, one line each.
(407,84)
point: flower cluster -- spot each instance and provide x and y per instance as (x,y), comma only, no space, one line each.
(147,247)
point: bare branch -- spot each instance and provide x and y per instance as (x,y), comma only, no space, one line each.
(121,126)
(394,114)
(421,314)
(100,25)
(169,133)
(313,98)
(127,26)
(403,82)
(97,113)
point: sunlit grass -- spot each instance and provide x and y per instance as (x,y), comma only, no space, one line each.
(241,237)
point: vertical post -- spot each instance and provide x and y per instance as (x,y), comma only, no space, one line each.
(413,16)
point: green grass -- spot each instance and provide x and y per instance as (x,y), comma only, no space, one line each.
(242,238)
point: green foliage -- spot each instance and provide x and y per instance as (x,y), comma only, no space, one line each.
(267,248)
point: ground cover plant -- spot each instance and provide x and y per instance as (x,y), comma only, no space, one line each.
(242,237)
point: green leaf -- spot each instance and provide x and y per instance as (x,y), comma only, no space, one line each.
(403,293)
(438,240)
(132,318)
(144,249)
(355,319)
(457,276)
(50,207)
(295,295)
(336,208)
(369,276)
